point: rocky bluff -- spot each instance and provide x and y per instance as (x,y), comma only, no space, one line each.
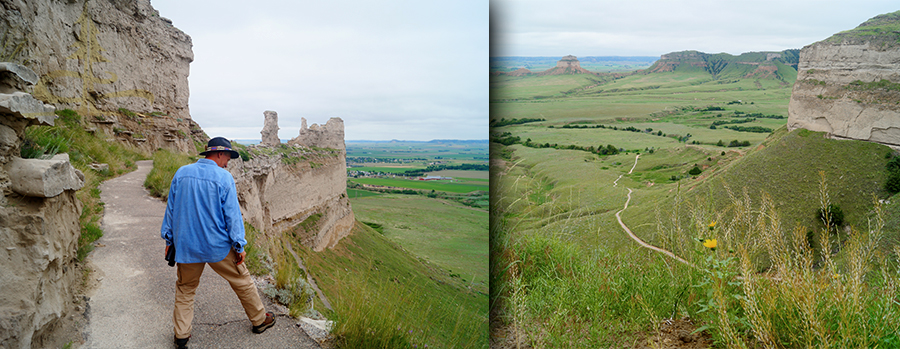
(120,65)
(849,84)
(298,186)
(749,65)
(38,220)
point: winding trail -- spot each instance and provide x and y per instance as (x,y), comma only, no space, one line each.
(616,182)
(132,307)
(631,234)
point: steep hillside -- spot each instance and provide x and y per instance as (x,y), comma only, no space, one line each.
(787,167)
(849,84)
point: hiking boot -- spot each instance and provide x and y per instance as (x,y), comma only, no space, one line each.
(270,321)
(181,343)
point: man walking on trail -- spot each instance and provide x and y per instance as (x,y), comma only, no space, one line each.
(203,223)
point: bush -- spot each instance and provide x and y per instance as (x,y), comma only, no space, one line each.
(893,183)
(833,217)
(695,171)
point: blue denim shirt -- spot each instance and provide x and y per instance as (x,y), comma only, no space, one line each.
(203,214)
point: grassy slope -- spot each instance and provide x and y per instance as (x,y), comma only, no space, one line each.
(536,86)
(441,311)
(447,234)
(560,199)
(787,167)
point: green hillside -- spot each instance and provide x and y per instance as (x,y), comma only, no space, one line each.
(385,297)
(673,144)
(787,167)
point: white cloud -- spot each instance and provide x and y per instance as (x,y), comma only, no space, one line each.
(655,27)
(369,63)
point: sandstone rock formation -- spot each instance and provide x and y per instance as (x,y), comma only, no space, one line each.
(329,136)
(566,65)
(44,178)
(305,180)
(849,84)
(120,65)
(38,221)
(270,129)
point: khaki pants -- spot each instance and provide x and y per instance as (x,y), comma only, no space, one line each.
(236,275)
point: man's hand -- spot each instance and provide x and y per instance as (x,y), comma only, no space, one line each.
(240,257)
(167,251)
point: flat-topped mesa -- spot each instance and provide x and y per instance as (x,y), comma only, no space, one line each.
(270,129)
(849,84)
(299,187)
(329,136)
(569,61)
(567,65)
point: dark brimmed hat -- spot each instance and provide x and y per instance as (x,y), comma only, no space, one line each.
(220,144)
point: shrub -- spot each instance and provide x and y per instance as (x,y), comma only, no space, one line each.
(892,185)
(695,171)
(832,217)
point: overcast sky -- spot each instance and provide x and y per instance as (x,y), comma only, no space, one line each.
(407,70)
(653,28)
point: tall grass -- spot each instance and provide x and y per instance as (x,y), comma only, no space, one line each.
(762,285)
(381,292)
(165,163)
(84,148)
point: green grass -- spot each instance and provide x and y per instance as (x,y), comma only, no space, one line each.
(68,135)
(367,274)
(451,236)
(456,186)
(557,249)
(165,163)
(787,168)
(386,169)
(509,87)
(359,193)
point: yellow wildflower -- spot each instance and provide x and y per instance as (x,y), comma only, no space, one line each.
(712,225)
(709,243)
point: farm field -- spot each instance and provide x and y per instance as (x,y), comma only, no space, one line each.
(417,152)
(459,174)
(450,186)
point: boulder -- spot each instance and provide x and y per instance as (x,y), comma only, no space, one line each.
(44,178)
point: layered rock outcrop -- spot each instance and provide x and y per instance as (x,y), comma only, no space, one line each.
(120,65)
(329,136)
(566,65)
(269,132)
(303,181)
(849,84)
(38,220)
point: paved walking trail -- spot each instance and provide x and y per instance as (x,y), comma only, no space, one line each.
(132,307)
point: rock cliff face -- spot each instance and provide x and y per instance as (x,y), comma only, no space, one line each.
(38,220)
(303,181)
(329,136)
(849,85)
(117,63)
